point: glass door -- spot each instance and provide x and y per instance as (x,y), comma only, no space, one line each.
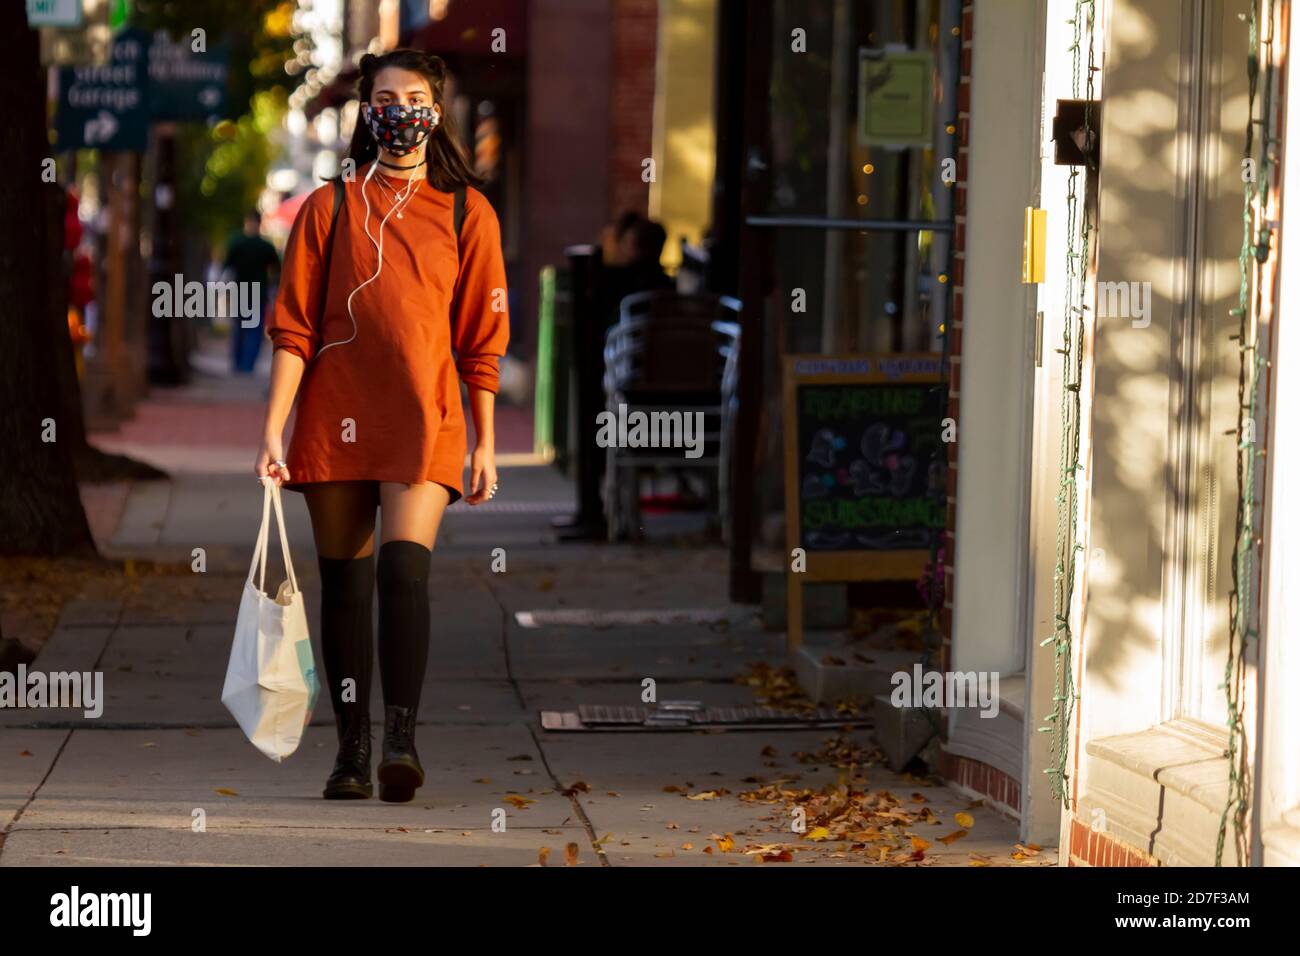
(848,166)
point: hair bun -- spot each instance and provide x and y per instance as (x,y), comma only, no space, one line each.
(367,63)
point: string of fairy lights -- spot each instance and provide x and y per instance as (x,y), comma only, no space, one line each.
(1242,601)
(1078,230)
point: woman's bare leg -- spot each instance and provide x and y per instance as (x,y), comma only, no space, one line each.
(343,517)
(412,512)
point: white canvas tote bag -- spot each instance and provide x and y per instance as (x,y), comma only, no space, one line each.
(271,684)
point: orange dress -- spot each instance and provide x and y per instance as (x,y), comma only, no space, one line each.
(386,406)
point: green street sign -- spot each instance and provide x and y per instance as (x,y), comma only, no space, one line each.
(149,77)
(107,107)
(185,85)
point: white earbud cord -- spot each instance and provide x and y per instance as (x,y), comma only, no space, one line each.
(401,196)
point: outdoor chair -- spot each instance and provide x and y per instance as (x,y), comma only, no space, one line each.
(667,359)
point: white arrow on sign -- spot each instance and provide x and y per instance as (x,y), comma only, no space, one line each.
(101,128)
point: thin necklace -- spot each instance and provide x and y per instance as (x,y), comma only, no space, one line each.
(390,180)
(403,199)
(394,199)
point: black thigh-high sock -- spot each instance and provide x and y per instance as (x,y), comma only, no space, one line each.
(403,621)
(346,629)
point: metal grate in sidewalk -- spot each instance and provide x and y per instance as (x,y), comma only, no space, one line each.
(691,715)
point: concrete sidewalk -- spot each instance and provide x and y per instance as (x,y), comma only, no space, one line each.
(132,786)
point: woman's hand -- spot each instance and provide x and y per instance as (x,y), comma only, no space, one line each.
(266,467)
(483,463)
(286,372)
(482,475)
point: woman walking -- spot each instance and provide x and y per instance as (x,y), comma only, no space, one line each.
(392,294)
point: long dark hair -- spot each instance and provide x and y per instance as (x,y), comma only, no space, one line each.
(447,168)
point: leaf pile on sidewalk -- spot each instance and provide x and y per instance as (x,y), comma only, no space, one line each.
(873,826)
(876,825)
(777,687)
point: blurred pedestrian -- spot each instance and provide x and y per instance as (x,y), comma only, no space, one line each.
(81,293)
(629,251)
(252,259)
(81,279)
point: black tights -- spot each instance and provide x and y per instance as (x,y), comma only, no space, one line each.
(403,621)
(343,519)
(347,593)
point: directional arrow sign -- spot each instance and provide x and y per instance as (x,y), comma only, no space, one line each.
(185,85)
(102,107)
(149,77)
(100,130)
(106,107)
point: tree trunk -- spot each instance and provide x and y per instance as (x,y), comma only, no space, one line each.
(40,508)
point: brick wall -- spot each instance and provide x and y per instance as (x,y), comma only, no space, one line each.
(632,97)
(1089,847)
(987,781)
(566,174)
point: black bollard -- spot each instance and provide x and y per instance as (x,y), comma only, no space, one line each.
(588,371)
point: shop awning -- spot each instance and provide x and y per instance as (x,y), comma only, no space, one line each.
(463,34)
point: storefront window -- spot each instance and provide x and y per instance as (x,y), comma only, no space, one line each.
(861,117)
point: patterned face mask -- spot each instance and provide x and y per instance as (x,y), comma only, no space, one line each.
(400,129)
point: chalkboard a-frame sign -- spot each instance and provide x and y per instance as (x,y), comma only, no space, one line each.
(862,457)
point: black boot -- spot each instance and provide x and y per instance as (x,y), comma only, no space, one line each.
(350,779)
(400,773)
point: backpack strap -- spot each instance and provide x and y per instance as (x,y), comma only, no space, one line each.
(329,247)
(458,211)
(458,219)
